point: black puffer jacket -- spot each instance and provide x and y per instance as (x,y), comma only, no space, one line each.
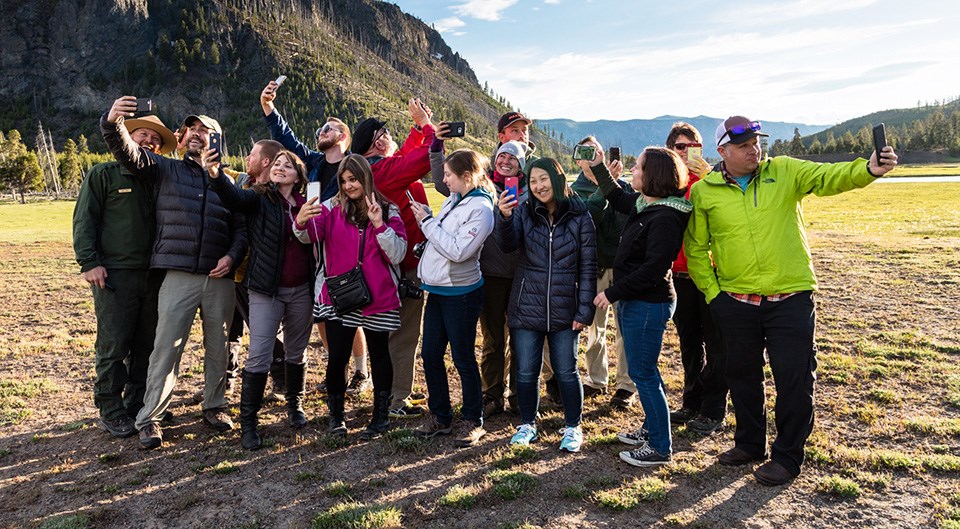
(556,280)
(267,221)
(194,228)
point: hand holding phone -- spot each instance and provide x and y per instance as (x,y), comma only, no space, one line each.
(879,141)
(614,153)
(144,104)
(512,185)
(694,151)
(216,143)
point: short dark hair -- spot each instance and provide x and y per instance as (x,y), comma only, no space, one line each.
(664,173)
(269,148)
(682,128)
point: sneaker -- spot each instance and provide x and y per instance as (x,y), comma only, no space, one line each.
(572,439)
(471,438)
(682,415)
(526,434)
(433,429)
(703,425)
(358,384)
(553,390)
(218,419)
(407,411)
(636,437)
(623,399)
(151,436)
(590,391)
(645,456)
(491,406)
(417,398)
(119,427)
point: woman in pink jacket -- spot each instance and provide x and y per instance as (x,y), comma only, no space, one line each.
(358,222)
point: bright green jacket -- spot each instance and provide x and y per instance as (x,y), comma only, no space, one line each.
(756,236)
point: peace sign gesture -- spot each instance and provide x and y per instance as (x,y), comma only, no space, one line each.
(374,211)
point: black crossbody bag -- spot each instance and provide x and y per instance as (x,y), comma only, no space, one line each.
(349,291)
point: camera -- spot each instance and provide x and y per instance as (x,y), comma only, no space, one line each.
(419,248)
(584,152)
(407,289)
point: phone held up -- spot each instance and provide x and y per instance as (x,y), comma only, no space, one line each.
(694,150)
(512,185)
(313,191)
(144,104)
(879,141)
(280,80)
(584,152)
(456,129)
(614,153)
(216,143)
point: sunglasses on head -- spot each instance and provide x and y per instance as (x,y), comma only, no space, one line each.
(753,126)
(325,129)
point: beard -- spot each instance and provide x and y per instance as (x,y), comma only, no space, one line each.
(325,144)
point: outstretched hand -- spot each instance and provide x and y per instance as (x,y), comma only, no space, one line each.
(308,211)
(267,96)
(374,211)
(125,106)
(889,161)
(210,163)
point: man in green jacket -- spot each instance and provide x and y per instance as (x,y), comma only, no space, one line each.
(113,228)
(748,216)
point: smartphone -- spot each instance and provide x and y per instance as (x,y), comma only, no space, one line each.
(879,140)
(144,104)
(280,80)
(614,153)
(456,129)
(216,143)
(694,150)
(313,191)
(512,185)
(584,152)
(409,195)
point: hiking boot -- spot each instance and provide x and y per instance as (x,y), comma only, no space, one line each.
(407,411)
(218,419)
(417,398)
(553,390)
(198,396)
(623,399)
(151,436)
(773,474)
(121,427)
(526,434)
(295,386)
(491,406)
(572,439)
(336,425)
(682,415)
(251,399)
(472,437)
(432,428)
(380,422)
(737,456)
(635,438)
(358,384)
(590,391)
(703,425)
(645,456)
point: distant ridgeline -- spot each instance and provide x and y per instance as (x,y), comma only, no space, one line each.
(65,62)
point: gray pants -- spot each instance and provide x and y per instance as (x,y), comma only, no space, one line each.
(180,296)
(294,307)
(403,344)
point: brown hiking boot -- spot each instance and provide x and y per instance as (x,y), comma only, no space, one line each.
(151,436)
(218,419)
(471,438)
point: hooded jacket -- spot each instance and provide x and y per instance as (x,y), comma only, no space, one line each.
(450,262)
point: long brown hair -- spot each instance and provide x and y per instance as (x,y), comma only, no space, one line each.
(356,210)
(468,165)
(299,186)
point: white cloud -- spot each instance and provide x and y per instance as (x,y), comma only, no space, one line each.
(554,2)
(489,10)
(445,25)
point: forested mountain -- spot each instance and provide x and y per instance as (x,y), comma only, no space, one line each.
(64,62)
(635,134)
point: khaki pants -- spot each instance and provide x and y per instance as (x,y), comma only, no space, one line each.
(180,296)
(403,344)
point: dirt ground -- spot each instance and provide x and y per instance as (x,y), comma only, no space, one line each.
(57,467)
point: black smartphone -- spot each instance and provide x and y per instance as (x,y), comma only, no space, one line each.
(879,141)
(216,143)
(144,104)
(614,153)
(456,129)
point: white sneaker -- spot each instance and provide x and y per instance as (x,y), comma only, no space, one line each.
(526,434)
(636,437)
(572,439)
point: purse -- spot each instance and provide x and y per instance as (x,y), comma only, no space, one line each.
(349,291)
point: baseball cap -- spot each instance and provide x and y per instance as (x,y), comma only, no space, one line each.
(207,121)
(511,117)
(737,129)
(363,134)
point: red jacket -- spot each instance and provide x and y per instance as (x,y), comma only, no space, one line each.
(680,265)
(393,176)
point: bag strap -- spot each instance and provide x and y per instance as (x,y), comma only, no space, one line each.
(363,238)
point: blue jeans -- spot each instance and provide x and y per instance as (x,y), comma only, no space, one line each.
(528,355)
(642,325)
(453,320)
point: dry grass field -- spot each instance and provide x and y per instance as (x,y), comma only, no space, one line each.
(885,451)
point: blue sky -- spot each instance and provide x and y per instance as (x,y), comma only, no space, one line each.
(809,61)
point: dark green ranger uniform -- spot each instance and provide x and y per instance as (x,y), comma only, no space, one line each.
(113,227)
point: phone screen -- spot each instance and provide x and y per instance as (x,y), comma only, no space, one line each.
(614,153)
(313,191)
(694,150)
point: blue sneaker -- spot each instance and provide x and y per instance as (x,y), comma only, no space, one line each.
(572,439)
(526,434)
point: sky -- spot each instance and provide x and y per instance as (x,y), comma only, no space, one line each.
(818,62)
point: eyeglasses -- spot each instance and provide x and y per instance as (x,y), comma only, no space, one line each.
(381,133)
(753,126)
(681,146)
(325,129)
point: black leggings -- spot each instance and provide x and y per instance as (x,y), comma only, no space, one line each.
(340,341)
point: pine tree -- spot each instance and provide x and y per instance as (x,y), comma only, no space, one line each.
(70,172)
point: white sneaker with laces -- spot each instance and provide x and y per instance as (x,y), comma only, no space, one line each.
(645,456)
(636,437)
(572,439)
(526,434)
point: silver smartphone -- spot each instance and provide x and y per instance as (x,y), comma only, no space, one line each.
(409,195)
(313,191)
(280,80)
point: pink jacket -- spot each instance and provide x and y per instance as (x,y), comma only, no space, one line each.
(384,248)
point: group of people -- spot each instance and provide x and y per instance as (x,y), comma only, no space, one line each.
(514,248)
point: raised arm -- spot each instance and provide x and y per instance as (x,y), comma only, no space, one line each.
(134,158)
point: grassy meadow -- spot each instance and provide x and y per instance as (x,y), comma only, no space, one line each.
(885,451)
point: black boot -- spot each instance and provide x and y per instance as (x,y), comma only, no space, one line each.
(337,424)
(251,398)
(380,422)
(295,395)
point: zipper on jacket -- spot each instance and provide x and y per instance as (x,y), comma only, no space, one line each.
(756,184)
(203,216)
(549,272)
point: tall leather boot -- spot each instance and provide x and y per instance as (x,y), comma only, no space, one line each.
(380,422)
(251,398)
(295,386)
(337,426)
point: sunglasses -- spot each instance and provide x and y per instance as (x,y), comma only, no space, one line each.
(681,146)
(325,129)
(381,133)
(753,126)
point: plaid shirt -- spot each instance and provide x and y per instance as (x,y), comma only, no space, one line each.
(755,299)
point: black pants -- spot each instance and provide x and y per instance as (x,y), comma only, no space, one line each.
(340,341)
(496,357)
(786,329)
(701,352)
